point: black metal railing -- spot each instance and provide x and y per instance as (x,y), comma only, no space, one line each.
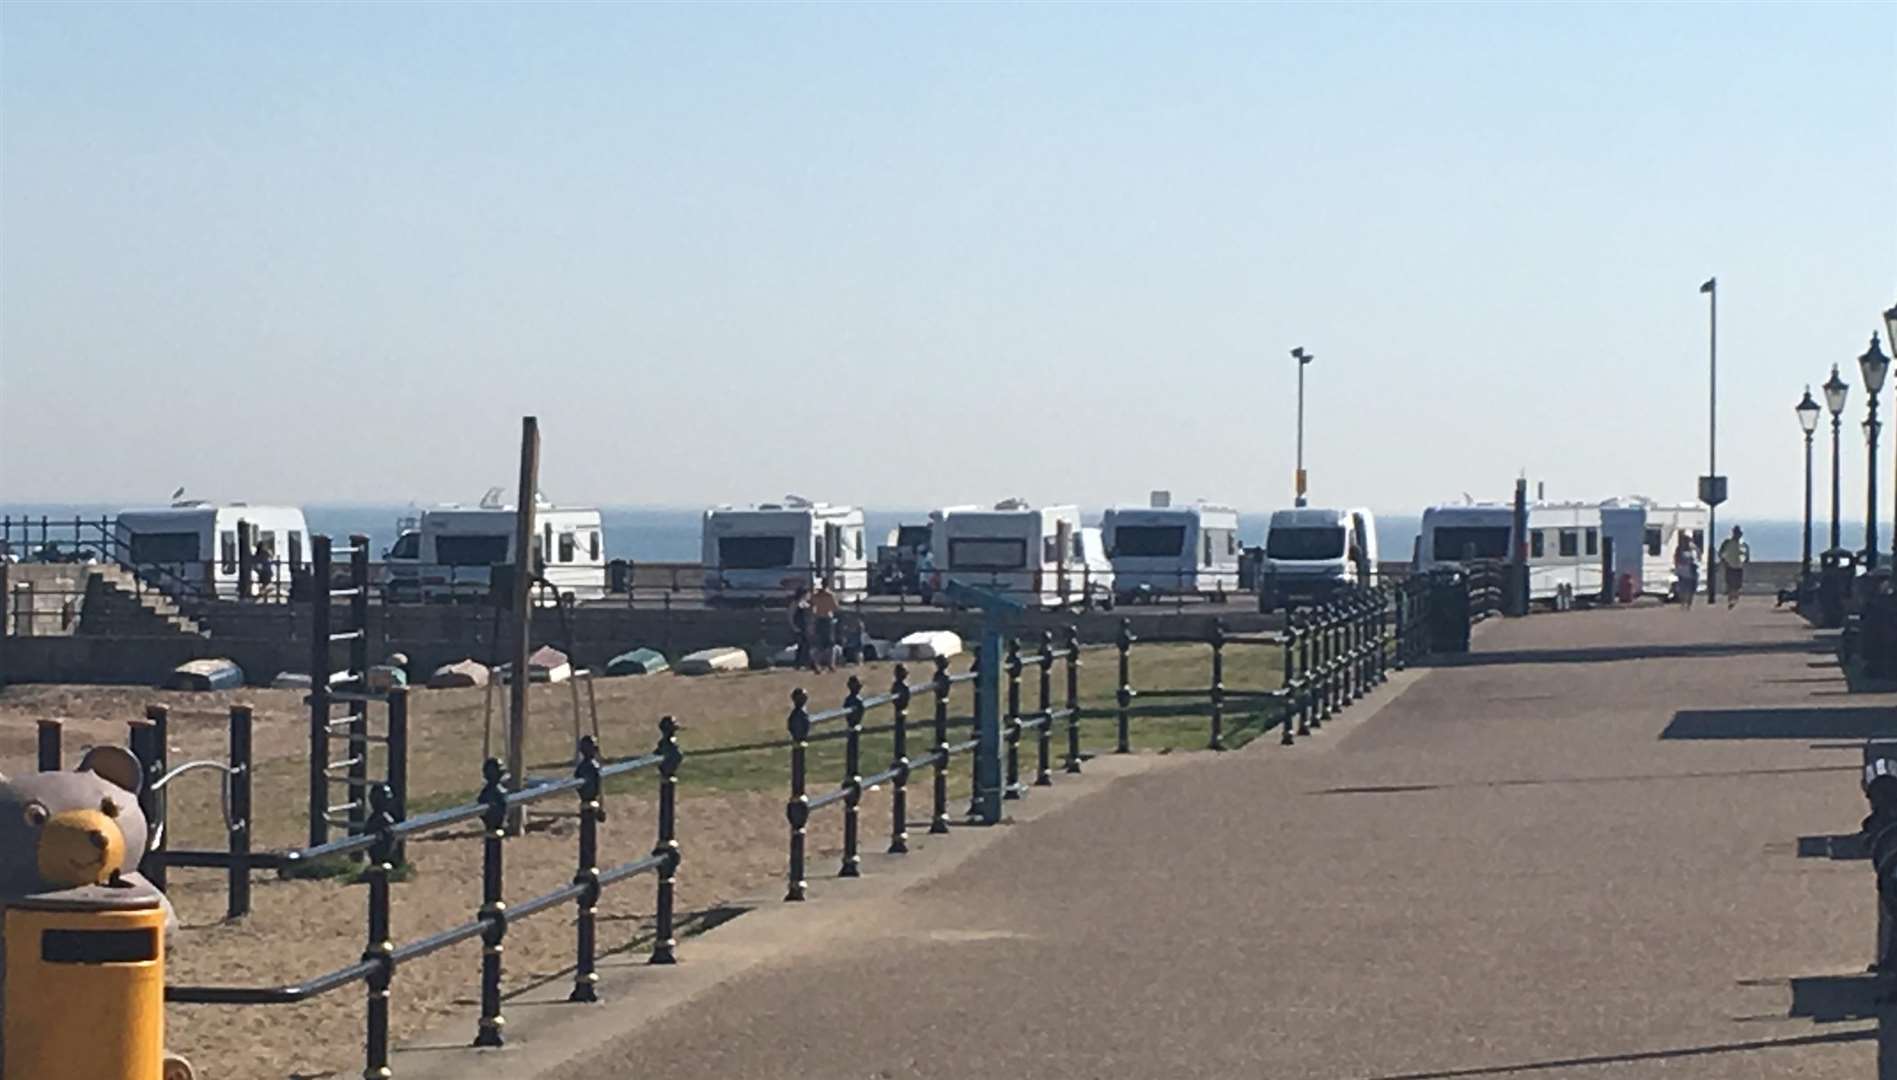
(381,843)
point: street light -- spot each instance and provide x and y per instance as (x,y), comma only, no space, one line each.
(1807,411)
(1873,365)
(1835,390)
(1710,489)
(1303,358)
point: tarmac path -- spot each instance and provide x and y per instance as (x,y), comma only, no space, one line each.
(1575,853)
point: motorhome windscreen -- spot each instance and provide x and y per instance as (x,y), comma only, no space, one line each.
(1149,540)
(755,552)
(470,550)
(912,536)
(1457,542)
(408,546)
(987,553)
(149,549)
(1305,542)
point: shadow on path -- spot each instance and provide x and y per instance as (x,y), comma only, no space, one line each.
(1602,654)
(1713,774)
(1790,1042)
(1788,722)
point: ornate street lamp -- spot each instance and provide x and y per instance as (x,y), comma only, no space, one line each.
(1807,411)
(1873,365)
(1835,391)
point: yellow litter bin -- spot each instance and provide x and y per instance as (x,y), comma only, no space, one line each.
(85,984)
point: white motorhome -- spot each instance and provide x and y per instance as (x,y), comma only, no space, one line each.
(765,553)
(1645,533)
(1039,556)
(452,552)
(193,547)
(1165,550)
(1563,544)
(1311,553)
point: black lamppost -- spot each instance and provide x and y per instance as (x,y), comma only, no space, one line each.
(1873,365)
(1835,390)
(1303,358)
(1807,411)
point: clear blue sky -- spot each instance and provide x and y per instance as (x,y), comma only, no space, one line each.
(906,255)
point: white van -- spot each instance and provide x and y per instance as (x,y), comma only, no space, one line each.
(1312,553)
(1165,550)
(765,553)
(192,547)
(1039,556)
(1563,544)
(453,550)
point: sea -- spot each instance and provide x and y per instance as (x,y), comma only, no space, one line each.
(671,534)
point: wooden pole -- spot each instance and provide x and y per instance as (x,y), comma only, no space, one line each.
(524,568)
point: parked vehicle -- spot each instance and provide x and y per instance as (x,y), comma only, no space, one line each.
(765,553)
(900,560)
(1164,550)
(451,553)
(193,547)
(1312,553)
(1040,556)
(1563,544)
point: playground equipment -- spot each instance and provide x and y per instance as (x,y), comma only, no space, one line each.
(349,687)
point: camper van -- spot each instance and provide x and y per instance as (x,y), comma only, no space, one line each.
(765,553)
(194,548)
(1644,534)
(1564,544)
(1038,556)
(1164,550)
(450,554)
(1311,554)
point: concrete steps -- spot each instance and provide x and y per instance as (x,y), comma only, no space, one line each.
(115,604)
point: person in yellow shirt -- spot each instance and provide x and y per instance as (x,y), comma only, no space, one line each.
(1734,554)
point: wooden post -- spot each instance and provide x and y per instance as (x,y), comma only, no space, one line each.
(524,497)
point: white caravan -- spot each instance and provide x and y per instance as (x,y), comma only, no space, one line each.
(1165,550)
(192,547)
(1312,553)
(765,553)
(1039,556)
(455,549)
(1563,544)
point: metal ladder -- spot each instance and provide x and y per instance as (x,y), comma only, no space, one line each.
(330,626)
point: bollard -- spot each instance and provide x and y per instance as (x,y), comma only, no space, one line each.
(1125,694)
(899,791)
(938,814)
(798,809)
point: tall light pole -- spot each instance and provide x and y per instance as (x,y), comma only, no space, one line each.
(1807,411)
(1873,365)
(1303,358)
(1835,391)
(1712,491)
(1890,335)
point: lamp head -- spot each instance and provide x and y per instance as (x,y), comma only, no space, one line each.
(1835,390)
(1890,326)
(1808,411)
(1874,365)
(1301,356)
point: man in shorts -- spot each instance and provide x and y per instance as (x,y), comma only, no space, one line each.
(823,609)
(1734,554)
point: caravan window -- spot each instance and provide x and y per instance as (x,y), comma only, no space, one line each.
(296,548)
(174,547)
(755,552)
(1319,542)
(1570,543)
(1593,541)
(567,547)
(227,550)
(986,553)
(592,545)
(1453,542)
(1231,542)
(470,550)
(1654,541)
(1537,543)
(858,534)
(1147,541)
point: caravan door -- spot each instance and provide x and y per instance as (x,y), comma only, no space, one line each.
(1063,555)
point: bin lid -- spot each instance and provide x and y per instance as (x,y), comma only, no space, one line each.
(130,896)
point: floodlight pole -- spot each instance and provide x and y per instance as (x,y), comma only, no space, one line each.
(524,500)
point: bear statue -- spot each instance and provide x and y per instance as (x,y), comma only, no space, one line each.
(71,830)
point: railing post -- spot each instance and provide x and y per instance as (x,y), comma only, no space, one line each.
(1322,650)
(155,754)
(237,898)
(380,948)
(974,728)
(938,813)
(1011,785)
(1288,692)
(798,809)
(1044,745)
(396,751)
(359,667)
(320,575)
(899,761)
(671,756)
(852,778)
(1216,638)
(493,914)
(586,915)
(1125,694)
(52,757)
(1307,695)
(1352,675)
(1073,698)
(1399,629)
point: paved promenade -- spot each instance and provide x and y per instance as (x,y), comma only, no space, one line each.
(1593,848)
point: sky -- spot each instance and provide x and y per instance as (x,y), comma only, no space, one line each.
(910,255)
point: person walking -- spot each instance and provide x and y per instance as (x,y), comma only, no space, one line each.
(800,626)
(823,608)
(1685,571)
(1734,554)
